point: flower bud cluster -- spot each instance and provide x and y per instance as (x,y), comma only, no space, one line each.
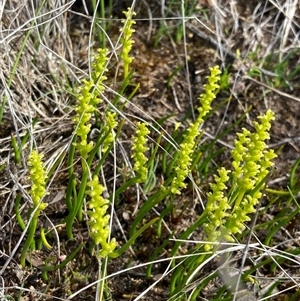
(217,208)
(187,147)
(109,126)
(126,39)
(139,147)
(87,100)
(99,219)
(251,163)
(37,175)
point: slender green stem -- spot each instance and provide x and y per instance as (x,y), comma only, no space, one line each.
(132,239)
(17,212)
(127,184)
(71,188)
(277,192)
(29,240)
(102,276)
(240,196)
(71,156)
(77,205)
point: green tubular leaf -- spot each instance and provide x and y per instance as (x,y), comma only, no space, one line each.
(133,92)
(132,239)
(174,72)
(176,281)
(278,192)
(188,232)
(147,206)
(295,296)
(220,293)
(29,240)
(17,212)
(151,179)
(44,239)
(125,84)
(17,150)
(162,214)
(293,178)
(281,259)
(203,284)
(71,188)
(127,184)
(180,275)
(287,216)
(77,205)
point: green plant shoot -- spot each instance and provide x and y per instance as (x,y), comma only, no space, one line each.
(38,177)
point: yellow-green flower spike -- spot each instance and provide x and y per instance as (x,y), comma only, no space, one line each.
(251,158)
(109,127)
(99,219)
(209,94)
(99,68)
(251,163)
(38,176)
(187,147)
(184,158)
(217,208)
(139,147)
(88,98)
(126,39)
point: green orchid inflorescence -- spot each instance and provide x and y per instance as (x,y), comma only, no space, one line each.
(99,219)
(251,163)
(138,151)
(38,177)
(126,40)
(89,97)
(217,207)
(210,91)
(187,147)
(109,127)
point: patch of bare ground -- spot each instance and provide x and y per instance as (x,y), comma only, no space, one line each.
(239,35)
